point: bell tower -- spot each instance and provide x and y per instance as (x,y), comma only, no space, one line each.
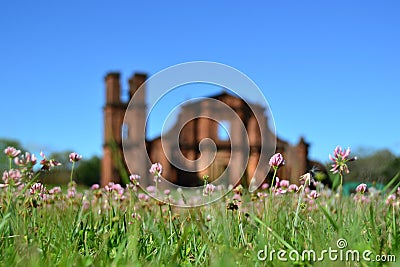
(113,117)
(135,126)
(114,130)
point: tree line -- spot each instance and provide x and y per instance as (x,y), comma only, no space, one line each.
(86,172)
(378,166)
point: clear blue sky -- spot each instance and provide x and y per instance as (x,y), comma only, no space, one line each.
(329,69)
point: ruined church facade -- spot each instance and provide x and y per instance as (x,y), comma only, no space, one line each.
(190,136)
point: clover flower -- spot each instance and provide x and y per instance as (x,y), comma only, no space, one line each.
(284,183)
(143,197)
(279,191)
(340,159)
(264,186)
(391,199)
(276,161)
(293,188)
(25,160)
(47,164)
(74,157)
(313,194)
(12,152)
(117,188)
(134,178)
(262,195)
(37,189)
(12,177)
(208,189)
(151,189)
(71,192)
(361,188)
(109,187)
(55,190)
(361,198)
(95,187)
(156,169)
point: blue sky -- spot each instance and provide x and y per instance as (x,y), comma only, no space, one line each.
(329,70)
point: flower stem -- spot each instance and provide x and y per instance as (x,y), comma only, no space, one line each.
(296,216)
(271,192)
(273,178)
(72,171)
(340,208)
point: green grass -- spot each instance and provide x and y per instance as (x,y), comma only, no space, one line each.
(86,231)
(118,227)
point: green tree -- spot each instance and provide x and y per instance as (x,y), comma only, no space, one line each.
(63,158)
(60,174)
(4,143)
(88,171)
(379,166)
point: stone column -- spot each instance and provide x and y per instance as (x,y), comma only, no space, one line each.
(112,127)
(135,120)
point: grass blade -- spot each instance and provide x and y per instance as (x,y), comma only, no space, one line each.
(286,244)
(388,185)
(4,221)
(329,217)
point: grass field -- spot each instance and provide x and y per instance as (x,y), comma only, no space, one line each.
(285,225)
